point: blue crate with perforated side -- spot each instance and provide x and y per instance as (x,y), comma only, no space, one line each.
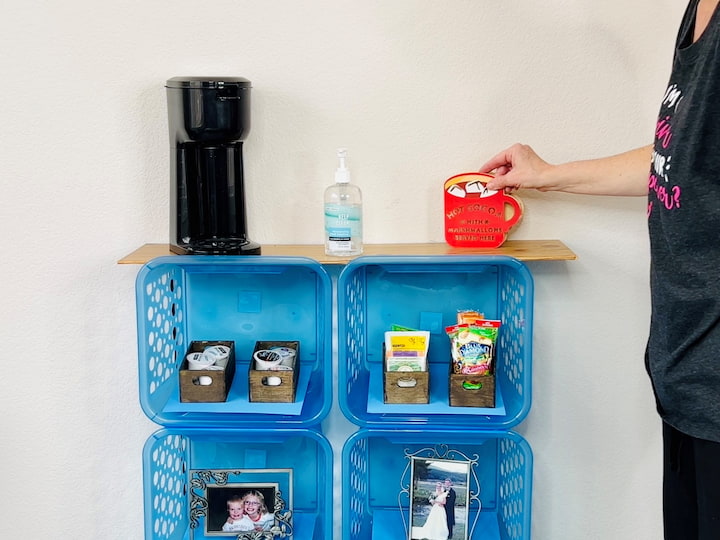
(190,474)
(243,299)
(387,475)
(425,293)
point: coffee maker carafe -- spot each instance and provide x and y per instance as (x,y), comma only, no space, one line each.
(208,118)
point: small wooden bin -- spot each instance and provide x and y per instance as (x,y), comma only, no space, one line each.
(193,389)
(283,384)
(406,386)
(471,390)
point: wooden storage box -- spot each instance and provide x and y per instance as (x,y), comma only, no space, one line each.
(406,386)
(206,385)
(468,390)
(269,386)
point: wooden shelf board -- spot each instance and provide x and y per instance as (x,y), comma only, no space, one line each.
(524,250)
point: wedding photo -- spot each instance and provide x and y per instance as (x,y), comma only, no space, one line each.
(439,499)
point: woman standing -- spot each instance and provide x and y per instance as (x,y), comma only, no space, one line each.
(679,173)
(435,527)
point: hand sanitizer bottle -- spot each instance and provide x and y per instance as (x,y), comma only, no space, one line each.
(343,213)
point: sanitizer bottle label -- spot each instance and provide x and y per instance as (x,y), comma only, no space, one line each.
(342,227)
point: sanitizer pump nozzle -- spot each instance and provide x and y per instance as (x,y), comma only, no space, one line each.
(342,174)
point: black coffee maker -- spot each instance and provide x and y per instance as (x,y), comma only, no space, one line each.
(209,118)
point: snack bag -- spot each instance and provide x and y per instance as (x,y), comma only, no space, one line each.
(467,316)
(473,346)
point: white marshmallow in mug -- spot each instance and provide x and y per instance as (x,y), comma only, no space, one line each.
(456,191)
(479,187)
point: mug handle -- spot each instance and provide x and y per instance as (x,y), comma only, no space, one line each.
(517,209)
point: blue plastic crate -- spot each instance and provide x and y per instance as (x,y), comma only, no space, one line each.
(173,458)
(376,503)
(235,298)
(425,293)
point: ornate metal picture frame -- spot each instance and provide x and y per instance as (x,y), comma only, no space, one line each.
(440,494)
(260,501)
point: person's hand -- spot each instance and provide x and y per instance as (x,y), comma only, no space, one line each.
(516,167)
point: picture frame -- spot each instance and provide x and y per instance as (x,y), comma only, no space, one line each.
(246,504)
(441,489)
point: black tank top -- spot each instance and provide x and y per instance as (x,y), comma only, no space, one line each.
(683,353)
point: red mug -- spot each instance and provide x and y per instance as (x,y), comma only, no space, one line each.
(476,216)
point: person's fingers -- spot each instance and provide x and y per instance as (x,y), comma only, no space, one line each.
(501,159)
(500,181)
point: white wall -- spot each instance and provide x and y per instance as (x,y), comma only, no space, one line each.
(418,90)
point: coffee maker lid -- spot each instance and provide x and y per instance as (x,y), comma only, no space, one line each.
(207,82)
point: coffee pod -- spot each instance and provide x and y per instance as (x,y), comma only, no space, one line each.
(199,360)
(221,355)
(219,352)
(266,360)
(286,354)
(281,367)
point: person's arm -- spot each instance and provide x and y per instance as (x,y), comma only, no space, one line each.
(519,167)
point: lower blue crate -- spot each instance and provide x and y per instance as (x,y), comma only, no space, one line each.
(190,473)
(383,482)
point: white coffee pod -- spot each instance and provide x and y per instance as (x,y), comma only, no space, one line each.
(199,360)
(266,360)
(287,354)
(217,351)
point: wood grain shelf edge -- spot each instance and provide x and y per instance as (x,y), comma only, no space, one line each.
(523,250)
